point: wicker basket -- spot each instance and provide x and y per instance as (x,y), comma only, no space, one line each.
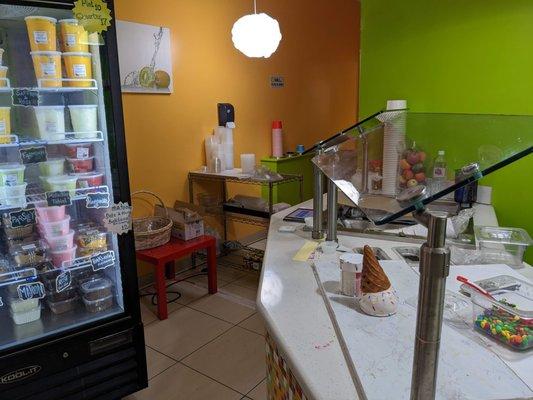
(151,231)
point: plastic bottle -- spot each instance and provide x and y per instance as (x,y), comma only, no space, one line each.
(439,171)
(277,139)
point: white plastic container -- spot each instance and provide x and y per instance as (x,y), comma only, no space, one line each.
(61,256)
(62,242)
(57,228)
(25,317)
(51,122)
(13,195)
(512,241)
(20,306)
(11,174)
(84,120)
(62,182)
(52,167)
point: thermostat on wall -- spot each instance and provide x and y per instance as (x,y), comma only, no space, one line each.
(277,81)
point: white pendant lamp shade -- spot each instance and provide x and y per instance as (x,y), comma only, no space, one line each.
(256,35)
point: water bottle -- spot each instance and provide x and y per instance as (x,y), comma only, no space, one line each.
(439,172)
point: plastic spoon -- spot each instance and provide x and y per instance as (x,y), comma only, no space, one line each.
(478,288)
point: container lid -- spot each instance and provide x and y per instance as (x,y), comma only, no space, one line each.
(12,166)
(3,67)
(86,174)
(45,53)
(72,21)
(79,159)
(48,107)
(4,108)
(501,235)
(83,106)
(77,53)
(277,125)
(96,284)
(60,179)
(40,17)
(53,160)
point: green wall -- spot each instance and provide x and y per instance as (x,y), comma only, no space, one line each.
(472,56)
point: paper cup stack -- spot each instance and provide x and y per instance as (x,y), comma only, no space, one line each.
(393,142)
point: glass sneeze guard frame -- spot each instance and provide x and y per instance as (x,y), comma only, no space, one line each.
(396,148)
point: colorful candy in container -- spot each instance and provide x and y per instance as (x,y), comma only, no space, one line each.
(509,317)
(80,165)
(411,167)
(91,241)
(78,150)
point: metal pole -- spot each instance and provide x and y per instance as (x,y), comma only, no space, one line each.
(318,201)
(364,139)
(434,269)
(332,212)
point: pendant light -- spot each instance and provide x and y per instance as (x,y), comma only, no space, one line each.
(256,35)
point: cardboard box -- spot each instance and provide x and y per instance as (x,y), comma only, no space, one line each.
(186,224)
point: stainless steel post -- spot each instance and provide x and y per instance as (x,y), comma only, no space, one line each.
(318,201)
(332,212)
(434,269)
(366,165)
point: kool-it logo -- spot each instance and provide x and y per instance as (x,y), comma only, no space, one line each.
(20,374)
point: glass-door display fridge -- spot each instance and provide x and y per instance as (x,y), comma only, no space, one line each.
(70,324)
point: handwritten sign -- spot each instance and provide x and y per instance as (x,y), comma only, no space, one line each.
(277,81)
(22,218)
(93,15)
(97,200)
(60,198)
(117,218)
(103,260)
(25,97)
(29,291)
(63,281)
(33,155)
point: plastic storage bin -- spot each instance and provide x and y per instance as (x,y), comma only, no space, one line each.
(79,150)
(63,306)
(62,182)
(29,313)
(61,256)
(509,318)
(96,289)
(26,255)
(51,122)
(90,179)
(513,241)
(99,305)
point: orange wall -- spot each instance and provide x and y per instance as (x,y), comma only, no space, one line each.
(318,57)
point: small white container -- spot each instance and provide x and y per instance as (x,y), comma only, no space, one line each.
(21,306)
(11,174)
(247,163)
(62,182)
(84,120)
(51,122)
(63,242)
(351,266)
(25,317)
(52,167)
(57,228)
(508,241)
(14,196)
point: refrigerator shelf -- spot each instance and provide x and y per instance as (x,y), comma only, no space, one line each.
(70,138)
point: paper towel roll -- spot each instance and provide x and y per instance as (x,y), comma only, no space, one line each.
(393,141)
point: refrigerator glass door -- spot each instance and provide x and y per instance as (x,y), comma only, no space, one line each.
(59,265)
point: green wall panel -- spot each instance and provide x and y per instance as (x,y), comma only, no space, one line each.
(456,56)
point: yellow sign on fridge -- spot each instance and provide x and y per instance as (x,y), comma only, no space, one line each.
(93,15)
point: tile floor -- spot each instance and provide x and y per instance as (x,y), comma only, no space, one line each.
(212,347)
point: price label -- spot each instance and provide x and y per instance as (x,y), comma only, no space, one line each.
(22,218)
(97,200)
(117,218)
(29,291)
(63,281)
(33,155)
(25,97)
(60,198)
(103,260)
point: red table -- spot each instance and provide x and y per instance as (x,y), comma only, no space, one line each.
(163,257)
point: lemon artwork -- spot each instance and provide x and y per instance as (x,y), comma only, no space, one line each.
(148,77)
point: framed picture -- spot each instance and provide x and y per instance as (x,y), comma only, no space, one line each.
(145,58)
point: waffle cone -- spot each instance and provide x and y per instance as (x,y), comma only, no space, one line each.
(373,278)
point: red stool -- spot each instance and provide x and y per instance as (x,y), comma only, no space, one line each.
(163,257)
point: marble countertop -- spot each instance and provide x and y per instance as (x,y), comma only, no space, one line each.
(295,314)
